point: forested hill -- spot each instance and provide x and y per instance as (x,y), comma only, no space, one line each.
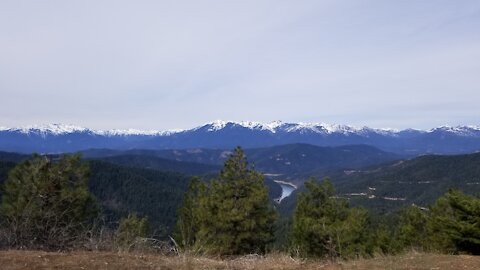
(162,164)
(12,157)
(293,161)
(121,190)
(421,180)
(304,160)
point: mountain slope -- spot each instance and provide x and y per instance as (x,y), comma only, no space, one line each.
(420,181)
(162,164)
(304,160)
(294,162)
(227,135)
(388,187)
(121,190)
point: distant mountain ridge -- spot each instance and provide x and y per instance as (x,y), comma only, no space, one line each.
(58,138)
(293,162)
(388,187)
(420,180)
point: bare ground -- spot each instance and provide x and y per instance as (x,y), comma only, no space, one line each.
(34,260)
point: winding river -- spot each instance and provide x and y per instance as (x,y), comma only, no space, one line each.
(287,189)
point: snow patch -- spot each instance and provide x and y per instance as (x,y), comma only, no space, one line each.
(272,127)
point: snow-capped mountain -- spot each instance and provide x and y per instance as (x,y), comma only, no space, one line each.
(60,129)
(56,138)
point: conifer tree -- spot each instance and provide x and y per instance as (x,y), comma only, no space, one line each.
(235,216)
(412,230)
(325,226)
(454,223)
(47,204)
(188,214)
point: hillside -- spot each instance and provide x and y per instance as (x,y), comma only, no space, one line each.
(122,190)
(294,162)
(148,192)
(12,157)
(299,161)
(419,181)
(162,164)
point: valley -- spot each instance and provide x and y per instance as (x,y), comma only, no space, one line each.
(350,136)
(153,183)
(364,175)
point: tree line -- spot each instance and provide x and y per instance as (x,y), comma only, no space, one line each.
(47,204)
(232,215)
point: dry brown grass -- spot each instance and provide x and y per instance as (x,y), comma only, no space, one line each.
(34,260)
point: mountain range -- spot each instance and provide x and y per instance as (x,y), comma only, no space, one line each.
(58,138)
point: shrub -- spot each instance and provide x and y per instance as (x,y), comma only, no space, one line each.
(130,231)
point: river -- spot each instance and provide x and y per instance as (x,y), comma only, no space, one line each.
(287,189)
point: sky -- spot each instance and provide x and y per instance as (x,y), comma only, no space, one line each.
(179,64)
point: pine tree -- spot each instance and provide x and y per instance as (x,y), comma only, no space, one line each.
(412,230)
(47,204)
(325,226)
(235,216)
(188,214)
(454,223)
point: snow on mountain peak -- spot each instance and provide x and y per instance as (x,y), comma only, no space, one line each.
(459,130)
(55,128)
(321,128)
(273,127)
(276,126)
(61,129)
(216,125)
(220,124)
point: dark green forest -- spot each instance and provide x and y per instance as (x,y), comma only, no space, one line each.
(130,188)
(423,203)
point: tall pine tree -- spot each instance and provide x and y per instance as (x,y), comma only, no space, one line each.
(188,214)
(325,226)
(234,215)
(454,223)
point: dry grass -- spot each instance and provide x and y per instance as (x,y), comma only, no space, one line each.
(33,260)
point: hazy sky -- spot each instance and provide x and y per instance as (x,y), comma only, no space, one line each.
(177,64)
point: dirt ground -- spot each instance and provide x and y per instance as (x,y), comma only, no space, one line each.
(33,260)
